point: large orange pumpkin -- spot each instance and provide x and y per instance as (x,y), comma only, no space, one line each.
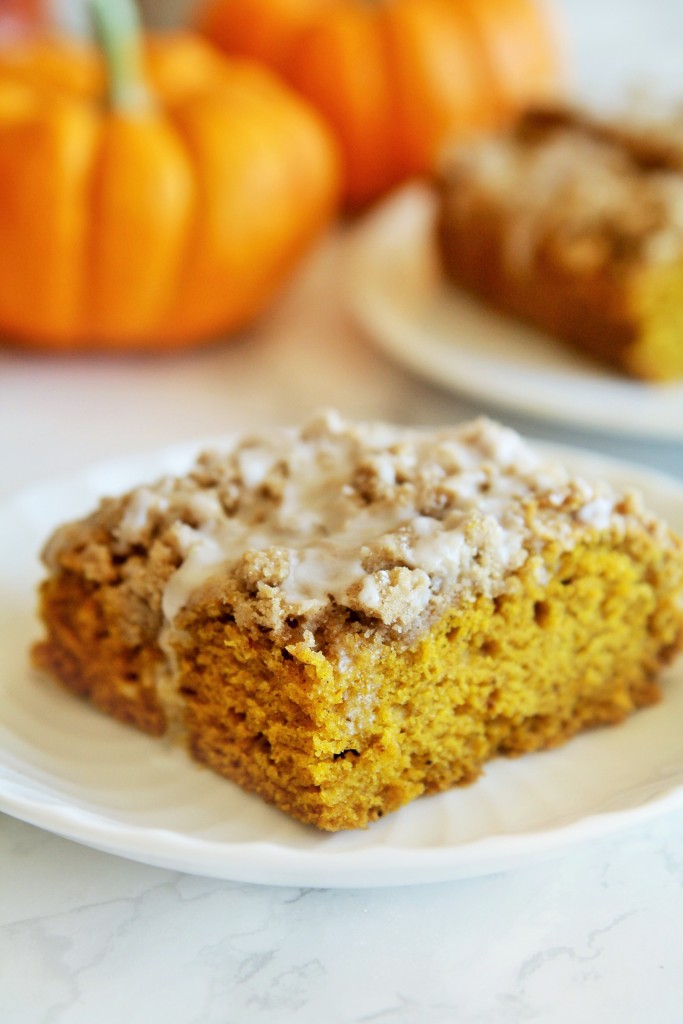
(396,78)
(150,200)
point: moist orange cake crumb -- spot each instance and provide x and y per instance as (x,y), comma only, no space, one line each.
(343,617)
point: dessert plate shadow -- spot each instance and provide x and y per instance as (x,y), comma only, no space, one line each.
(74,772)
(397,293)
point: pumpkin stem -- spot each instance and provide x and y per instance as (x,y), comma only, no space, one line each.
(119,34)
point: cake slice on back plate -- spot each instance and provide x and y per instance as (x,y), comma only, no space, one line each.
(575,225)
(345,616)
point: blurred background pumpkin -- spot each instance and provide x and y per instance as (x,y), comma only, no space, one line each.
(153,194)
(19,19)
(396,78)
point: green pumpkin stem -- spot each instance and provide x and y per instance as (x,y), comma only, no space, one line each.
(118,31)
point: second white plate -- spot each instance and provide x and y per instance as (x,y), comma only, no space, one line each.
(397,292)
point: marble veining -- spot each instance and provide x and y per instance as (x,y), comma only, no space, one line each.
(558,941)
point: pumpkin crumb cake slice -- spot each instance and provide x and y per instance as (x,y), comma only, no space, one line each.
(343,617)
(574,225)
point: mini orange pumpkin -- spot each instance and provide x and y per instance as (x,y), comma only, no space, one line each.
(395,78)
(136,215)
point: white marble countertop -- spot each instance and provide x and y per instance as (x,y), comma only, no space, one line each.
(593,935)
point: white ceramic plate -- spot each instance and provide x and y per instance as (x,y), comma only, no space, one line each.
(397,292)
(75,772)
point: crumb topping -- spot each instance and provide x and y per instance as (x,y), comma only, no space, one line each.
(384,524)
(594,195)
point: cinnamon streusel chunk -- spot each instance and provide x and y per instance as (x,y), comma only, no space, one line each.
(575,225)
(344,617)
